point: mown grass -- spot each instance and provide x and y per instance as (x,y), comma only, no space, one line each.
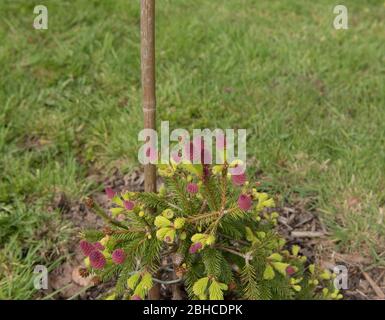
(312,99)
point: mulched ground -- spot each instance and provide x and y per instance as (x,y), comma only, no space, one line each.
(299,226)
(296,224)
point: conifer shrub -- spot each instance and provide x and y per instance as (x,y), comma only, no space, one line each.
(218,231)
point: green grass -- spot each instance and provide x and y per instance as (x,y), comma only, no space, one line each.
(312,99)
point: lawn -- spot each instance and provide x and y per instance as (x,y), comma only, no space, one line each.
(312,99)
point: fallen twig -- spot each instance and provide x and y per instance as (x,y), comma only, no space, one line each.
(307,234)
(380,294)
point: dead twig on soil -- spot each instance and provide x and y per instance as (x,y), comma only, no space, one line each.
(380,294)
(307,234)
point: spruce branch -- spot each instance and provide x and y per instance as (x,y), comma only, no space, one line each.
(247,256)
(166,282)
(204,206)
(182,194)
(128,230)
(100,212)
(174,206)
(212,201)
(203,216)
(233,240)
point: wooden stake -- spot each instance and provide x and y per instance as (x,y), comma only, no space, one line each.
(147,27)
(147,35)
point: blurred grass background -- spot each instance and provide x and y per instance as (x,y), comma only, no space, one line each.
(311,97)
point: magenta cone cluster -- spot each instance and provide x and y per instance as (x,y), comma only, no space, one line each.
(129,205)
(192,188)
(97,259)
(86,247)
(244,202)
(118,256)
(195,247)
(98,246)
(110,193)
(290,270)
(238,179)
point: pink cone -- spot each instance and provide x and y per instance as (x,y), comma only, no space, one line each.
(290,270)
(244,202)
(195,247)
(238,169)
(110,193)
(129,205)
(97,259)
(98,246)
(118,256)
(238,179)
(192,188)
(136,297)
(86,247)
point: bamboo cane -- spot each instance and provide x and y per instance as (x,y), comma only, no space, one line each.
(147,34)
(147,26)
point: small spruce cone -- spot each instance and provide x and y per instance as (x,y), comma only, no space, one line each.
(84,272)
(89,202)
(290,270)
(238,179)
(118,256)
(86,247)
(108,231)
(98,246)
(244,202)
(97,259)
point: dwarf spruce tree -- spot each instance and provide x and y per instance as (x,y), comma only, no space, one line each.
(213,230)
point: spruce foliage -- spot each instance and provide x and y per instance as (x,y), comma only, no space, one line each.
(220,239)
